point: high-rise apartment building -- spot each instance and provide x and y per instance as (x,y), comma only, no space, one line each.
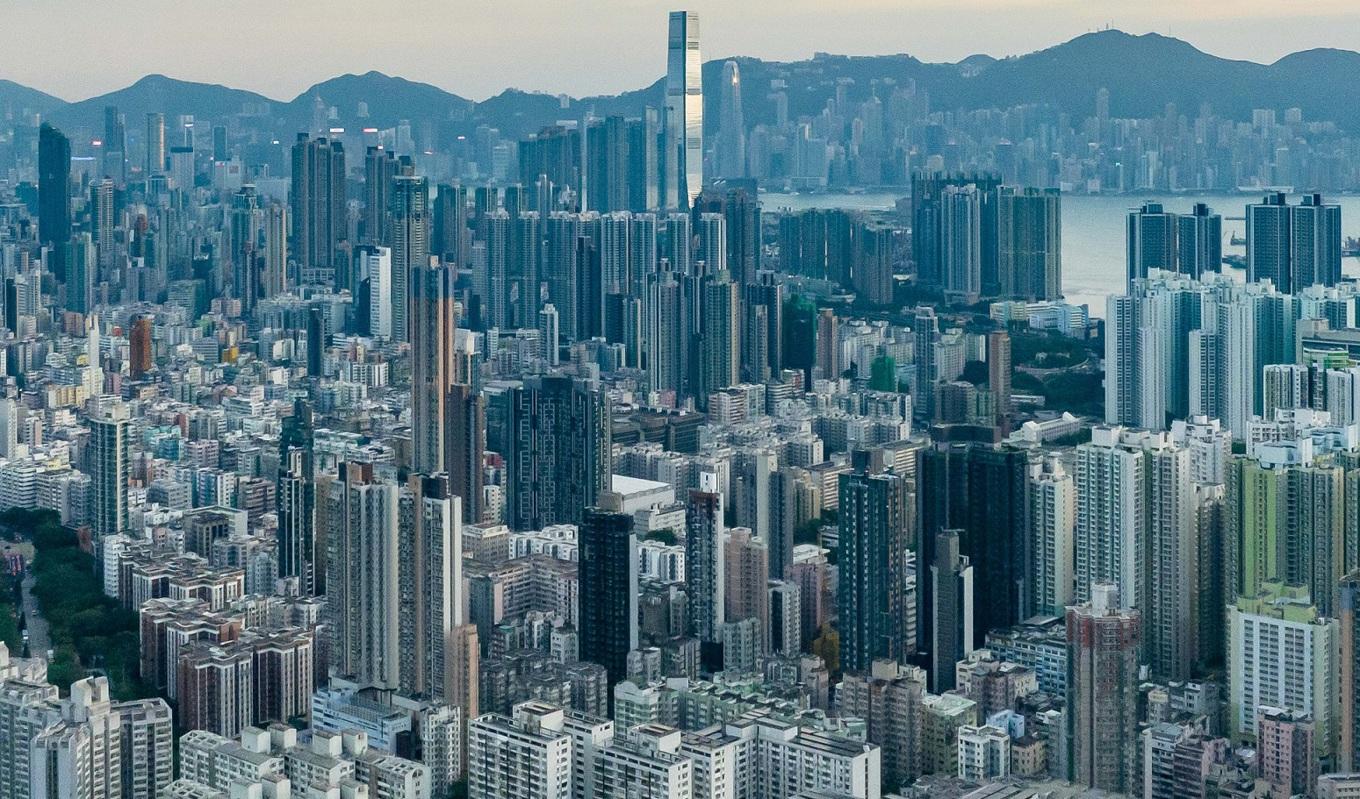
(874,528)
(608,577)
(1102,692)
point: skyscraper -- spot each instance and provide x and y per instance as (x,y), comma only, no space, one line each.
(1294,246)
(108,461)
(705,570)
(608,587)
(730,150)
(54,190)
(1102,692)
(1029,244)
(318,206)
(299,554)
(683,158)
(1199,242)
(432,315)
(559,454)
(431,557)
(952,633)
(410,246)
(875,522)
(1151,240)
(155,145)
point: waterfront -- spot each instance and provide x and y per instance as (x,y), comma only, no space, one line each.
(1093,231)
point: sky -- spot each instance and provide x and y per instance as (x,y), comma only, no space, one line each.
(476,48)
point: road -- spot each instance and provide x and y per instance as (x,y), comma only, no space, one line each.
(39,641)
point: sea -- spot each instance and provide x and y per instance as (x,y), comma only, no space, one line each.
(1093,257)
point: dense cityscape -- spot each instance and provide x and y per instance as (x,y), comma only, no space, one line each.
(736,437)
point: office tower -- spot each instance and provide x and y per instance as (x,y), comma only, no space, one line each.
(1151,240)
(115,145)
(317,199)
(1199,242)
(298,553)
(363,570)
(433,316)
(1052,519)
(720,345)
(683,156)
(952,633)
(980,492)
(559,455)
(155,145)
(54,187)
(874,524)
(1283,654)
(107,460)
(1348,676)
(410,246)
(380,172)
(528,755)
(1294,246)
(608,578)
(1028,244)
(705,570)
(730,149)
(1102,692)
(430,553)
(465,442)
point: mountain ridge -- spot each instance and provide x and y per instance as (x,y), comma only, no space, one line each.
(1143,73)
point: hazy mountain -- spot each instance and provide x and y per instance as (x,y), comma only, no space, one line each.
(1143,74)
(17,99)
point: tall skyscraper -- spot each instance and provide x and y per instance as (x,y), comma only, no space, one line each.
(109,464)
(683,158)
(608,587)
(410,247)
(961,238)
(431,557)
(433,317)
(1029,244)
(1348,677)
(1294,246)
(54,189)
(318,206)
(1199,242)
(1151,240)
(730,149)
(1102,692)
(299,549)
(380,168)
(1052,519)
(465,446)
(874,524)
(363,580)
(155,145)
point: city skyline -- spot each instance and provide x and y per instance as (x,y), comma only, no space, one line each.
(350,39)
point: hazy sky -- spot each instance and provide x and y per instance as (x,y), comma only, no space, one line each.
(478,47)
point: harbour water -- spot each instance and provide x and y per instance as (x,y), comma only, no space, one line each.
(1093,231)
